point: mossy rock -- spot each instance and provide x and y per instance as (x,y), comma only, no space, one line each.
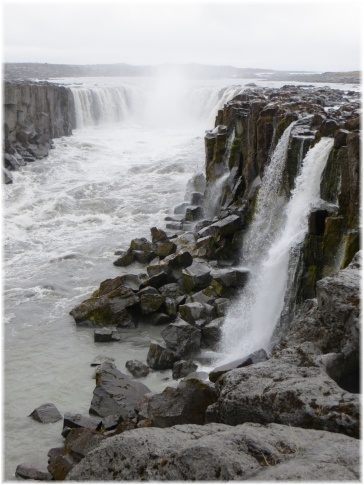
(352,246)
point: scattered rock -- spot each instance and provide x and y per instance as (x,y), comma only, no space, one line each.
(160,358)
(115,393)
(106,335)
(101,359)
(137,368)
(150,300)
(186,404)
(32,472)
(46,413)
(182,338)
(182,368)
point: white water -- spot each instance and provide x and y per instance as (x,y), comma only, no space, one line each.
(277,228)
(124,168)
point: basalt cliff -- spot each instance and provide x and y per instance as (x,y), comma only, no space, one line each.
(34,113)
(288,412)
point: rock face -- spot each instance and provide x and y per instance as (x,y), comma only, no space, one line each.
(34,114)
(220,452)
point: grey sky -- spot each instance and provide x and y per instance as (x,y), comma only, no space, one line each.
(296,35)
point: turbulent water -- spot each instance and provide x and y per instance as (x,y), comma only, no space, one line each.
(127,164)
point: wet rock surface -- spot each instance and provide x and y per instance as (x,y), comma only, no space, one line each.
(115,393)
(221,452)
(46,413)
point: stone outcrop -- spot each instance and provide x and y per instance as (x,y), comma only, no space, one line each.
(220,452)
(34,114)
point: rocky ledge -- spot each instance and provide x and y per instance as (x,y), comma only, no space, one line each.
(288,412)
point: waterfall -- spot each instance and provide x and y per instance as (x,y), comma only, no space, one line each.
(204,102)
(278,229)
(112,104)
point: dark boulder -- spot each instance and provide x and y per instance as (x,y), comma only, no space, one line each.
(108,309)
(165,248)
(211,334)
(158,235)
(186,404)
(182,368)
(160,358)
(150,300)
(115,393)
(194,312)
(182,338)
(126,258)
(158,318)
(46,413)
(225,227)
(106,335)
(196,277)
(137,368)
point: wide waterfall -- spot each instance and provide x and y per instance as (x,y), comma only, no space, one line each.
(279,226)
(99,105)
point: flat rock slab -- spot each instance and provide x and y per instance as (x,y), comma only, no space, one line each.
(221,452)
(46,413)
(116,393)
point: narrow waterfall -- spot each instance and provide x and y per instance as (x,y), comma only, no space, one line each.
(278,228)
(107,104)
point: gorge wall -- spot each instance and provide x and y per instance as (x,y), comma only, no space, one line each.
(255,121)
(34,113)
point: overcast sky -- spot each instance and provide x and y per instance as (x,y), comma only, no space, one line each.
(290,35)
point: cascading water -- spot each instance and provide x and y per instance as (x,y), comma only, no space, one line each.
(111,104)
(278,228)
